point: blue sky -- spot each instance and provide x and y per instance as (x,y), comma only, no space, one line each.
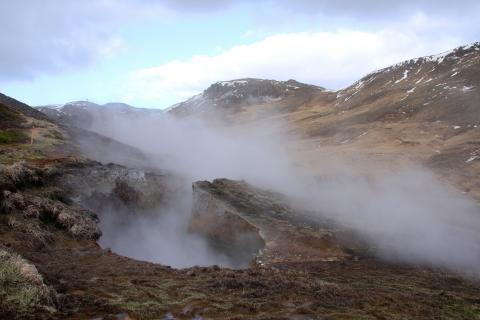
(155,53)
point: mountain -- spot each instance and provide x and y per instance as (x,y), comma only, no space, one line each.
(440,87)
(82,113)
(244,95)
(425,110)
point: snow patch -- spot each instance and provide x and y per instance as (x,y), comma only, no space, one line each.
(359,85)
(472,158)
(362,134)
(405,75)
(419,80)
(232,83)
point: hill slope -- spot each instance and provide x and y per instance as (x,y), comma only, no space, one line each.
(19,123)
(425,110)
(21,107)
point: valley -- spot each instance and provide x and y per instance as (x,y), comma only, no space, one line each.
(256,199)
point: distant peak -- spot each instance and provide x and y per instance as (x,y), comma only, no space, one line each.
(254,87)
(244,90)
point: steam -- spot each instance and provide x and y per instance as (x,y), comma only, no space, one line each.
(407,215)
(158,236)
(199,151)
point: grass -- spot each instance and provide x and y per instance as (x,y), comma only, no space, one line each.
(464,310)
(15,145)
(9,116)
(11,136)
(15,284)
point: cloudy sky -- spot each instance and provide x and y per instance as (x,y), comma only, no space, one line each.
(153,53)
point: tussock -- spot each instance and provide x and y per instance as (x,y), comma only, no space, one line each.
(20,174)
(20,282)
(79,223)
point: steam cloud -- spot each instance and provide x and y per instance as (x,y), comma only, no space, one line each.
(408,215)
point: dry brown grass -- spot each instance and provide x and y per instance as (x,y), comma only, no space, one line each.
(20,282)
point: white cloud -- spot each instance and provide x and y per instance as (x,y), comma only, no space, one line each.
(51,36)
(329,59)
(62,36)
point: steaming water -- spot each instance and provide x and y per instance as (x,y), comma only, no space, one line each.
(407,215)
(160,237)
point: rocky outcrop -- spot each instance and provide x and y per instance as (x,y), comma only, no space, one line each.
(69,194)
(229,210)
(224,225)
(95,186)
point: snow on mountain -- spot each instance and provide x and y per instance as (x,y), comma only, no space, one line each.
(241,92)
(82,113)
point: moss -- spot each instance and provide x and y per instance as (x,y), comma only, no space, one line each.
(11,136)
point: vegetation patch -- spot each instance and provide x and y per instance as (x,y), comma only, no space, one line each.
(8,116)
(11,136)
(6,113)
(20,282)
(465,311)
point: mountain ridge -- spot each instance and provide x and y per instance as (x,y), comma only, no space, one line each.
(399,71)
(83,113)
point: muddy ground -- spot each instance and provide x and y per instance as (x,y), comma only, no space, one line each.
(93,283)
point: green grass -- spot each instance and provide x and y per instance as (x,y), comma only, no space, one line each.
(11,136)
